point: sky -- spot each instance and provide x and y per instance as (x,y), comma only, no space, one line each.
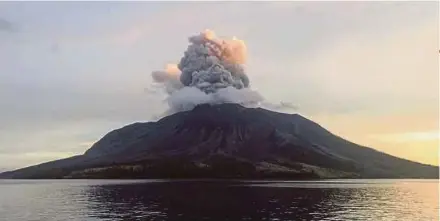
(72,71)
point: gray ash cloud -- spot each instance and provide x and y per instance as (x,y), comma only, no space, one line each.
(211,71)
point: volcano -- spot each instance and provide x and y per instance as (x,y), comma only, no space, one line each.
(227,141)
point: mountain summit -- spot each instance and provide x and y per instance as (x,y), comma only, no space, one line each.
(227,141)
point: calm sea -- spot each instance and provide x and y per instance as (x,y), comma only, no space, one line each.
(47,200)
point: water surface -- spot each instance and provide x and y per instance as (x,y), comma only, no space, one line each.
(218,200)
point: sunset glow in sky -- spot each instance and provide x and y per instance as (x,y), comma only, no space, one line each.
(72,71)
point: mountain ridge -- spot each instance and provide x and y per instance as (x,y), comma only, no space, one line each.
(227,140)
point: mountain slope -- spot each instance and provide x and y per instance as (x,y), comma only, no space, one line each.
(225,141)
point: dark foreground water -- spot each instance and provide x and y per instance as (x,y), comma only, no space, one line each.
(412,200)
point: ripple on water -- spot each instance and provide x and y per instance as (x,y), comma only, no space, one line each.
(192,200)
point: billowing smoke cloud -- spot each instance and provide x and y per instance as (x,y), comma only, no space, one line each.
(170,78)
(211,71)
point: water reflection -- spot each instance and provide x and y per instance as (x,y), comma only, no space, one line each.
(207,200)
(229,201)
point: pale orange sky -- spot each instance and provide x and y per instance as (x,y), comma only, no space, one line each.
(398,71)
(407,135)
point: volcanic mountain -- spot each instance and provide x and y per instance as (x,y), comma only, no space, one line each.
(227,141)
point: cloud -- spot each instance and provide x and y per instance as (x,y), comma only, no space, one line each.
(211,71)
(14,161)
(366,72)
(418,136)
(48,141)
(7,26)
(416,145)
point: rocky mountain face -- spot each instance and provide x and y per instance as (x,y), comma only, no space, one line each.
(227,141)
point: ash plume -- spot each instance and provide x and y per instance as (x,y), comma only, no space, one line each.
(211,71)
(170,78)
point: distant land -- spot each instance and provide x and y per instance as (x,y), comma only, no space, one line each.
(226,141)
